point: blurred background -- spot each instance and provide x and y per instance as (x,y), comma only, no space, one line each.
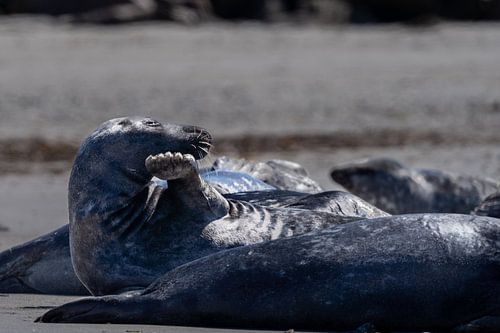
(319,82)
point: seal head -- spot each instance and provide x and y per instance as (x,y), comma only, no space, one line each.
(397,189)
(112,195)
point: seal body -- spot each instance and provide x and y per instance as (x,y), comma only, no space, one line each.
(129,227)
(394,188)
(233,182)
(42,265)
(433,272)
(126,231)
(37,266)
(281,174)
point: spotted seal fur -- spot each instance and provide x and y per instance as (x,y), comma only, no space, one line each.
(397,189)
(432,272)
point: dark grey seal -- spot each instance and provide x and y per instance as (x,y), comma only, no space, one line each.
(125,230)
(41,266)
(434,272)
(397,189)
(490,206)
(155,205)
(37,266)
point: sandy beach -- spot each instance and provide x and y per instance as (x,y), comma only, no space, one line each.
(426,96)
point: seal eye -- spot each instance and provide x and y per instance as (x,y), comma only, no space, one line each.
(151,123)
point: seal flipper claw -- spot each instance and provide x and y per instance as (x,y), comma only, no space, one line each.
(171,166)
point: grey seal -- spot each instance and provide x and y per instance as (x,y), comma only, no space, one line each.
(126,231)
(21,267)
(233,182)
(280,174)
(431,272)
(397,189)
(42,265)
(38,265)
(490,206)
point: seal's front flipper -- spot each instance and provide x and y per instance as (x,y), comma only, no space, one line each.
(170,166)
(487,324)
(185,186)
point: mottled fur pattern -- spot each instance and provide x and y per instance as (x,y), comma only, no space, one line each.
(433,272)
(394,188)
(123,234)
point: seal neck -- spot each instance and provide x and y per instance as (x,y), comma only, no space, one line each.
(101,182)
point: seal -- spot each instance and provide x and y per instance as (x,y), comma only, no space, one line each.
(490,206)
(280,174)
(397,189)
(234,182)
(41,266)
(37,266)
(129,197)
(423,272)
(126,231)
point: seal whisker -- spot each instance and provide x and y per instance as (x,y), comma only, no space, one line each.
(204,150)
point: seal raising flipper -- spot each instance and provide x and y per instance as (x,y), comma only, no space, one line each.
(124,233)
(396,189)
(120,212)
(432,272)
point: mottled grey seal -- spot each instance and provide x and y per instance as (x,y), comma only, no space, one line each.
(42,265)
(432,272)
(397,189)
(37,266)
(490,206)
(233,182)
(106,173)
(281,174)
(125,231)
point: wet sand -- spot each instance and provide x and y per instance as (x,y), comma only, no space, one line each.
(428,97)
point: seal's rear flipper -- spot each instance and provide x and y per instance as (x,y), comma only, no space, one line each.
(488,324)
(490,206)
(108,309)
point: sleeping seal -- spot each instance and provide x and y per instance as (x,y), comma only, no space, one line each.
(433,272)
(232,182)
(124,232)
(280,174)
(394,188)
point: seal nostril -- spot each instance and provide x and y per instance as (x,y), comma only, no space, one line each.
(198,133)
(205,136)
